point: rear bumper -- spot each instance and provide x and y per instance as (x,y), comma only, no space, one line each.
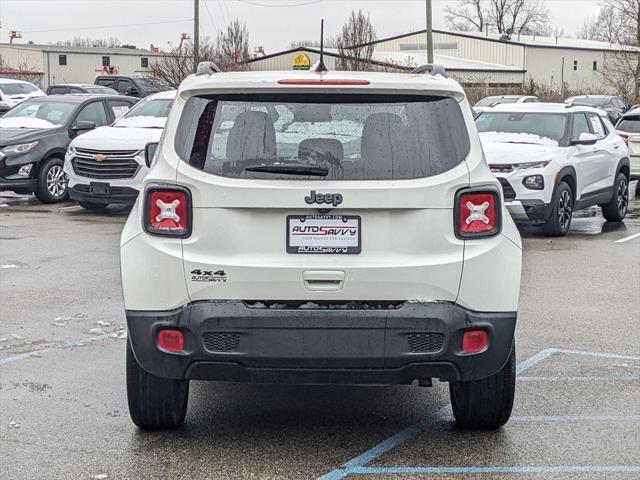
(235,341)
(117,195)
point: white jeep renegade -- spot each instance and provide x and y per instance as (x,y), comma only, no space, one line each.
(320,228)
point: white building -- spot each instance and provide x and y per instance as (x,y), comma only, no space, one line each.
(75,64)
(476,58)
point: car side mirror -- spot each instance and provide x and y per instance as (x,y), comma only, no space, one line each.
(149,152)
(82,126)
(585,139)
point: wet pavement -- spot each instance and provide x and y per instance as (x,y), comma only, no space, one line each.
(63,412)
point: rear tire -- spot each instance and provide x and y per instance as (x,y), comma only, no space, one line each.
(52,181)
(616,209)
(154,402)
(92,206)
(558,223)
(485,404)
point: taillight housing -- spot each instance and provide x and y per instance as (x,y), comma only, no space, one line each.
(167,211)
(477,212)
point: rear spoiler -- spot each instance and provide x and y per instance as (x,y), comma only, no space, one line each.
(431,68)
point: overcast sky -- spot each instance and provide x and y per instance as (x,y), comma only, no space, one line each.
(272,23)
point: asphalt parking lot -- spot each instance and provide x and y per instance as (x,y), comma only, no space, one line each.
(63,410)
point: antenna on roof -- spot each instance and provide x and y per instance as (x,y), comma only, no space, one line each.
(320,67)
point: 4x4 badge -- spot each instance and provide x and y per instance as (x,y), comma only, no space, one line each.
(334,199)
(219,276)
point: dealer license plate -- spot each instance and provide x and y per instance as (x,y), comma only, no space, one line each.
(336,234)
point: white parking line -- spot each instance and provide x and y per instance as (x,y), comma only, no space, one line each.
(626,239)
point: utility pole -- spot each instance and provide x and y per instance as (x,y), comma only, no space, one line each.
(196,33)
(429,32)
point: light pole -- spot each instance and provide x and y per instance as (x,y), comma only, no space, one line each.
(196,33)
(429,32)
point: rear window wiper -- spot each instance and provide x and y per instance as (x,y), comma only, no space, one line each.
(290,169)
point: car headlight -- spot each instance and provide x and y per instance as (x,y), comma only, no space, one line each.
(18,149)
(71,151)
(527,165)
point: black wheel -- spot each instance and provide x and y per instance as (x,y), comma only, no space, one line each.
(52,181)
(558,223)
(93,206)
(616,209)
(154,402)
(485,404)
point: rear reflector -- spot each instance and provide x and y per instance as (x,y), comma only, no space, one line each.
(167,211)
(474,341)
(477,213)
(171,340)
(313,81)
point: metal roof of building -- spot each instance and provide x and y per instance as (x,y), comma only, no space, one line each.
(91,50)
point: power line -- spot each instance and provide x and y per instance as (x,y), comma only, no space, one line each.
(109,26)
(285,5)
(225,20)
(215,25)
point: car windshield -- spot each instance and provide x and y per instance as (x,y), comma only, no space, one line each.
(34,114)
(17,88)
(153,84)
(147,113)
(102,90)
(541,128)
(324,136)
(593,102)
(629,124)
(486,102)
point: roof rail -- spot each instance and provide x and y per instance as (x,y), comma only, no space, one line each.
(432,68)
(207,68)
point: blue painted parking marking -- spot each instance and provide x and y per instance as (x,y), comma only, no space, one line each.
(476,470)
(357,465)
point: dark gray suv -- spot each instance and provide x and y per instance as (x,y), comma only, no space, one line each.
(34,136)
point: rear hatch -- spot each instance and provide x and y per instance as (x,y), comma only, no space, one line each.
(311,197)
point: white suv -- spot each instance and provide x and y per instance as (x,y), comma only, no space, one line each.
(106,166)
(553,159)
(320,228)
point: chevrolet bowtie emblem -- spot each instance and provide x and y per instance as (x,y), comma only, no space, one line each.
(99,157)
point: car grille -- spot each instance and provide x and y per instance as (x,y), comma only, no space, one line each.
(425,342)
(117,164)
(507,190)
(221,342)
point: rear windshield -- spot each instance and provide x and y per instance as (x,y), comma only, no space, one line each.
(629,125)
(17,88)
(337,137)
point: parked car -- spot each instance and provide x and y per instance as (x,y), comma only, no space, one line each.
(320,228)
(71,88)
(614,106)
(488,102)
(12,92)
(34,136)
(554,159)
(628,128)
(107,165)
(133,86)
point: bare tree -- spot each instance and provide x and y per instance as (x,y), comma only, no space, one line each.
(467,15)
(520,16)
(109,42)
(231,50)
(174,66)
(354,43)
(331,42)
(618,23)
